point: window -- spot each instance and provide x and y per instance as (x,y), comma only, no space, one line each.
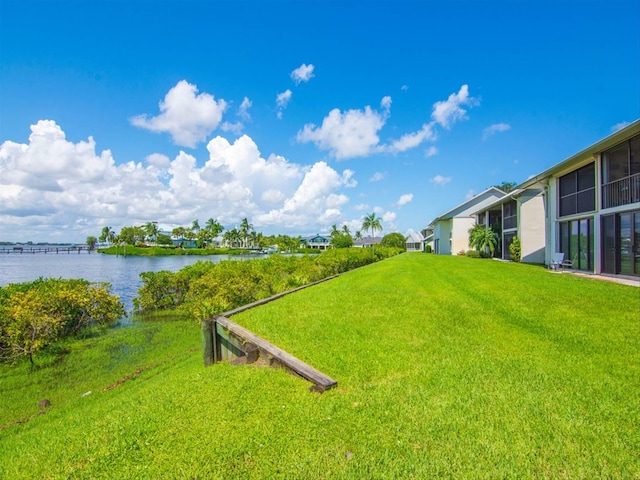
(621,174)
(510,216)
(621,161)
(577,191)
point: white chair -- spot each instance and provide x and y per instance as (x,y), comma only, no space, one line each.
(558,262)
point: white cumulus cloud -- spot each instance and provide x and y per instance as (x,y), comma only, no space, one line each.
(441,180)
(376,177)
(50,184)
(412,140)
(404,199)
(243,110)
(282,100)
(431,151)
(187,116)
(495,128)
(303,73)
(447,112)
(351,134)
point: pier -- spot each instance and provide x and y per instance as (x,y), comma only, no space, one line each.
(28,249)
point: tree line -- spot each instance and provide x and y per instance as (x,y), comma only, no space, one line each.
(243,236)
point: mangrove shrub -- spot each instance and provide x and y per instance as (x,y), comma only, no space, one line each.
(36,314)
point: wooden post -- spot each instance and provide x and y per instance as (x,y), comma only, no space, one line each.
(209,341)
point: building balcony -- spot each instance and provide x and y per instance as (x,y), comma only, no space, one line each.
(621,192)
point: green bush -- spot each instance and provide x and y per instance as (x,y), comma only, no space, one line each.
(515,249)
(394,240)
(36,314)
(205,288)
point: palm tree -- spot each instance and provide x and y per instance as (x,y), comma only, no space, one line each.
(195,226)
(245,228)
(371,222)
(214,227)
(107,235)
(178,232)
(483,238)
(345,230)
(151,229)
(232,237)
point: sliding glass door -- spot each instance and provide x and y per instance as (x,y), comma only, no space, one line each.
(621,243)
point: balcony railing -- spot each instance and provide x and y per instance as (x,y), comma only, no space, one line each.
(621,192)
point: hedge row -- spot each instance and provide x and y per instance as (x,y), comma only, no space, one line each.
(205,288)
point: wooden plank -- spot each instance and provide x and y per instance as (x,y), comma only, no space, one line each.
(322,381)
(273,297)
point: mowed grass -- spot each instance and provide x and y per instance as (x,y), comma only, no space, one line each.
(446,367)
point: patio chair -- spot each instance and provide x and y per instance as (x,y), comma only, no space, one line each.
(559,262)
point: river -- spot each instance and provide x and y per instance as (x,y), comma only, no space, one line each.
(123,273)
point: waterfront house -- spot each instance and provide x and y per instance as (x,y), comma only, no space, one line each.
(320,242)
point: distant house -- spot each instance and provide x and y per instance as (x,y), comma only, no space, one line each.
(365,242)
(451,229)
(427,234)
(415,242)
(320,242)
(183,242)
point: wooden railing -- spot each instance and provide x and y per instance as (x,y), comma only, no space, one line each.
(621,192)
(223,339)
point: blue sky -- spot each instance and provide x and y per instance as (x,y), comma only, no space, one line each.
(295,114)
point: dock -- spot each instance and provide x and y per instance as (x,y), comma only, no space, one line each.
(33,249)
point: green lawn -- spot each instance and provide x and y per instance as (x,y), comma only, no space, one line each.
(446,367)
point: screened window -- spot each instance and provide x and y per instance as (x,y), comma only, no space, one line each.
(510,217)
(577,191)
(621,161)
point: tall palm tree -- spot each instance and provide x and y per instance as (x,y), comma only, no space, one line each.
(178,232)
(195,226)
(151,229)
(214,227)
(245,228)
(107,235)
(345,230)
(371,222)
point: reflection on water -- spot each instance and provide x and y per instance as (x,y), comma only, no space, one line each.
(123,273)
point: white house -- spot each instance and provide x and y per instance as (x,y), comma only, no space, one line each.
(320,242)
(451,229)
(415,242)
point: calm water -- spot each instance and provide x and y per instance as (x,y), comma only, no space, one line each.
(123,273)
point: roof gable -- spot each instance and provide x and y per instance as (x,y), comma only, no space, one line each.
(467,208)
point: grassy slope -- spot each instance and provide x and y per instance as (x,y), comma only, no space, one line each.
(446,366)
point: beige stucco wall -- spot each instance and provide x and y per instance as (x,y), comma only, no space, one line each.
(460,234)
(532,229)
